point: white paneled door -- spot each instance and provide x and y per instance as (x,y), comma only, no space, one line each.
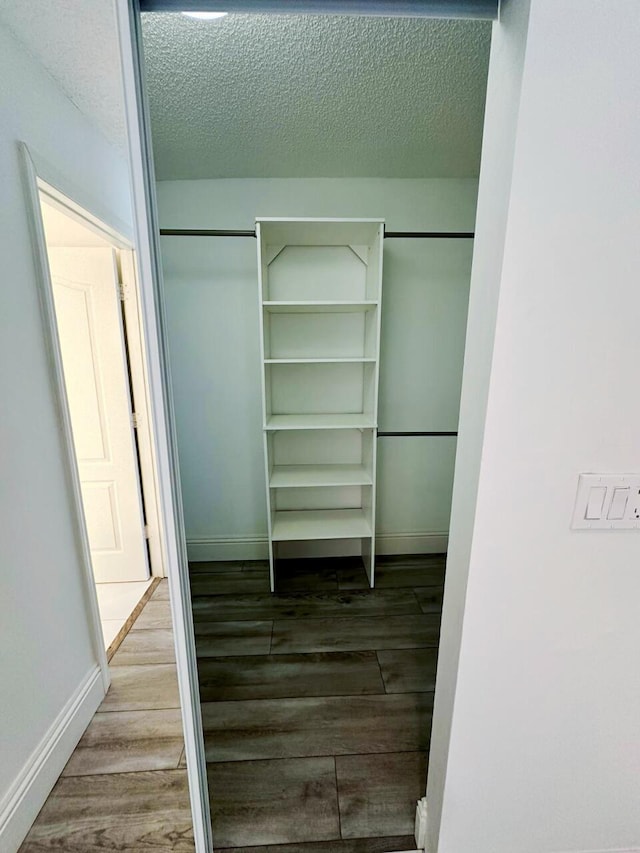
(86,294)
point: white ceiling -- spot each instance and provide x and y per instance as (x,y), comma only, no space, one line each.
(76,41)
(289,96)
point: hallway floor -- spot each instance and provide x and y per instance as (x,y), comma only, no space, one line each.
(317,701)
(125,786)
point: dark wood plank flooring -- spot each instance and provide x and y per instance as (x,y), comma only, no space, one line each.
(316,701)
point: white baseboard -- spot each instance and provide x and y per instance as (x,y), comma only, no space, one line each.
(219,548)
(412,543)
(256,547)
(422,834)
(24,799)
(421,824)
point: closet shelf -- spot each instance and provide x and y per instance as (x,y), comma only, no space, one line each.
(331,421)
(319,306)
(298,525)
(300,476)
(320,300)
(345,360)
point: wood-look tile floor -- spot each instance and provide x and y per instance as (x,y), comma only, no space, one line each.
(316,710)
(316,701)
(125,786)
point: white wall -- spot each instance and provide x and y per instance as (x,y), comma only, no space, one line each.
(211,296)
(544,750)
(45,647)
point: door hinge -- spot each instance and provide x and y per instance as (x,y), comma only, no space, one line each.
(121,291)
(145,532)
(134,420)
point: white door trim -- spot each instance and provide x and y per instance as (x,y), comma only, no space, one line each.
(69,207)
(134,334)
(162,413)
(147,450)
(57,376)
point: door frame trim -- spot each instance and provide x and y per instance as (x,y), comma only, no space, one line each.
(133,331)
(52,342)
(140,158)
(66,204)
(141,400)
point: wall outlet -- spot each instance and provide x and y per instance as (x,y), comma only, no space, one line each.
(607,502)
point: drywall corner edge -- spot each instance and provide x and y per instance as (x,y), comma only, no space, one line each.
(506,70)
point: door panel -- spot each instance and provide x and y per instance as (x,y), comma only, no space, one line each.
(101,514)
(85,288)
(81,369)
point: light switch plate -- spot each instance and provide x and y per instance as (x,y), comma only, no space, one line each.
(607,502)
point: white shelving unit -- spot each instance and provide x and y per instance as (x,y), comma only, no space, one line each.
(320,291)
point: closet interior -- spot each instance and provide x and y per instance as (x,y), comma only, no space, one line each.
(316,188)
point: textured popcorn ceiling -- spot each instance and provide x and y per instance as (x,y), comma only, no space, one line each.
(76,41)
(314,96)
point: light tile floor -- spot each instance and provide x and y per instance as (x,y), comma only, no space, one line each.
(116,602)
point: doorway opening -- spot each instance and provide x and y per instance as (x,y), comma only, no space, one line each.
(98,324)
(316,698)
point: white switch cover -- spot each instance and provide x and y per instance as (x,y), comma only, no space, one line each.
(607,501)
(618,504)
(595,503)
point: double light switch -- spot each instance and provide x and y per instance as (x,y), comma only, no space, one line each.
(607,501)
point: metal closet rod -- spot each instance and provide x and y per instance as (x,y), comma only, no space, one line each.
(220,232)
(217,232)
(389,235)
(431,434)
